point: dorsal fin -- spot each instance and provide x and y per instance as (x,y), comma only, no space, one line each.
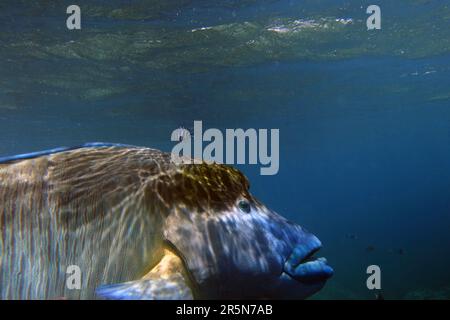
(61,149)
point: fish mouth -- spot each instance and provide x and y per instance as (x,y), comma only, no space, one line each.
(303,266)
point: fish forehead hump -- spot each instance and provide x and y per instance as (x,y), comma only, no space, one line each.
(90,182)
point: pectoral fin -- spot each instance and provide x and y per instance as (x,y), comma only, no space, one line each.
(168,280)
(172,288)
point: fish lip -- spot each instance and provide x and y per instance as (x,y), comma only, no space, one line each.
(303,267)
(310,256)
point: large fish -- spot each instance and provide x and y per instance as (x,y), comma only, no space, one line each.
(139,226)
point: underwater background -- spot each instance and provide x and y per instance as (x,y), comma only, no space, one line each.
(364,116)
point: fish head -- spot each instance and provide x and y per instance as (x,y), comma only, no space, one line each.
(232,245)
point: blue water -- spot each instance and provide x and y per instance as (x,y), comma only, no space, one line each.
(364,134)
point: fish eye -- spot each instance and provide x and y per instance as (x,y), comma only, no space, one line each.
(244,206)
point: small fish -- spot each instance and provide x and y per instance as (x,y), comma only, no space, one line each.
(370,249)
(351,236)
(399,251)
(379,296)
